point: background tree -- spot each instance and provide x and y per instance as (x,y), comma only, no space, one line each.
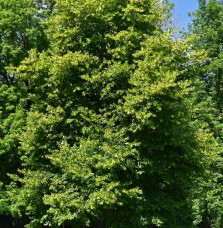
(208,102)
(207,25)
(21,29)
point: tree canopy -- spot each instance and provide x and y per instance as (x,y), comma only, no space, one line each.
(106,119)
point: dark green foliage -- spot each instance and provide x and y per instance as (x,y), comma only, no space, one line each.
(21,29)
(12,121)
(207,25)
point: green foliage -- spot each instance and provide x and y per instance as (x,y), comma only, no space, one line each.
(207,25)
(207,100)
(104,115)
(11,123)
(109,132)
(21,29)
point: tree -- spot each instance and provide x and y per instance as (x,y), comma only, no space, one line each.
(109,131)
(21,29)
(207,25)
(208,101)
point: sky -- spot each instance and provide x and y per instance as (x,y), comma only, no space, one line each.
(182,7)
